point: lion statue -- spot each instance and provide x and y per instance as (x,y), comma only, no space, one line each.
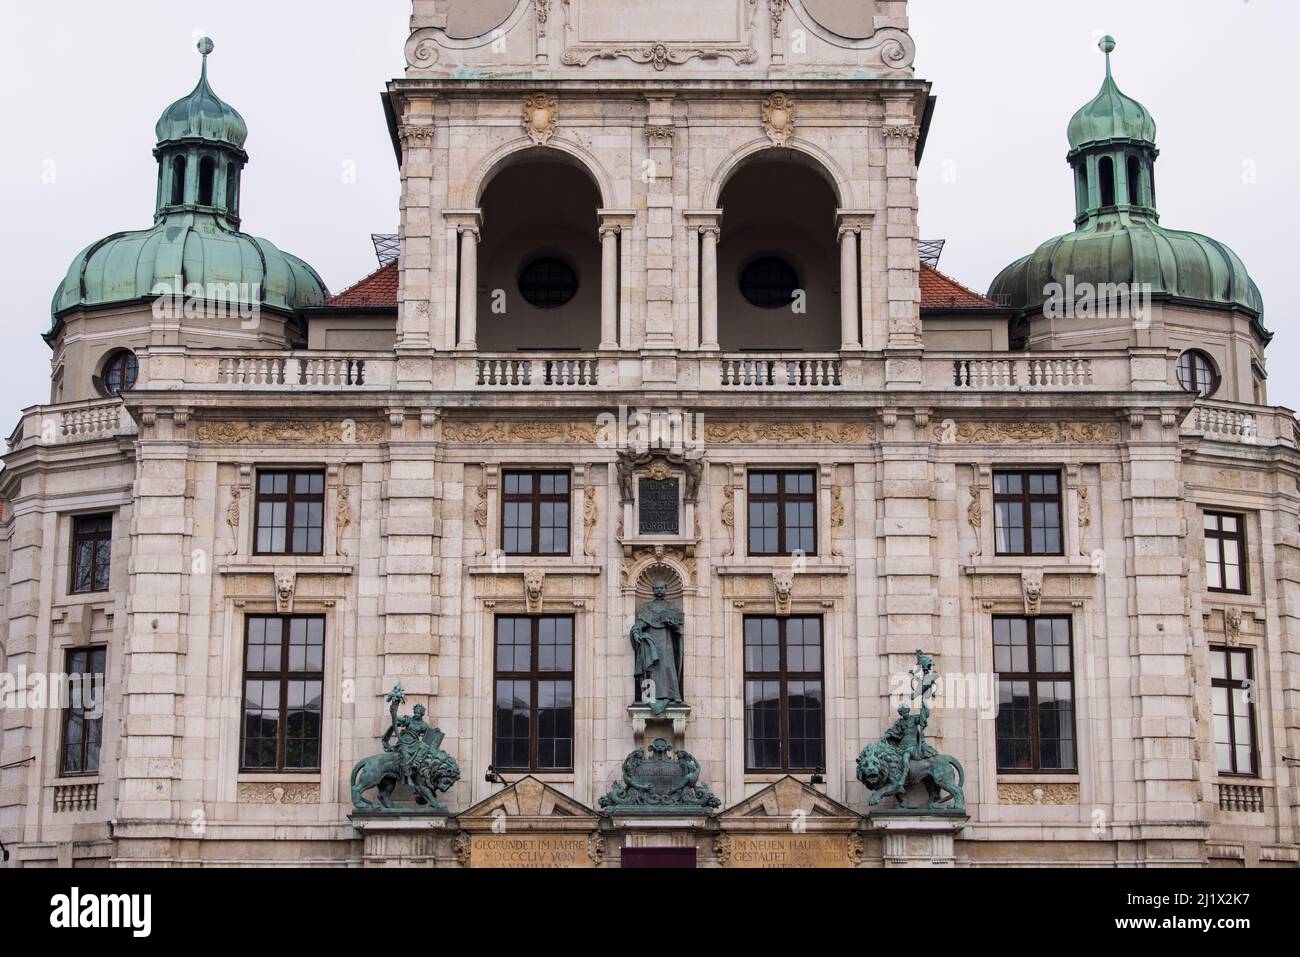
(438,772)
(880,768)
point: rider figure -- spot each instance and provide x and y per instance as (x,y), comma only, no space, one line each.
(908,735)
(410,733)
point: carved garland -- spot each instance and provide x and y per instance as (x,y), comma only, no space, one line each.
(837,520)
(660,55)
(343,519)
(781,433)
(589,516)
(500,433)
(346,432)
(1055,433)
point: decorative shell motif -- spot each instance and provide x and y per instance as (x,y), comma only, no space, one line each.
(541,114)
(778,118)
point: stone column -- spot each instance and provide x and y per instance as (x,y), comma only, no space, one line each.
(709,287)
(704,272)
(609,287)
(850,338)
(468,224)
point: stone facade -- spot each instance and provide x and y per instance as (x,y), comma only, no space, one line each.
(660,113)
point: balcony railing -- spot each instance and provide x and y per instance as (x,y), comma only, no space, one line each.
(311,371)
(535,372)
(1023,374)
(803,372)
(73,422)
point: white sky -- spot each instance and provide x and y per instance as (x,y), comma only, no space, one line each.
(83,81)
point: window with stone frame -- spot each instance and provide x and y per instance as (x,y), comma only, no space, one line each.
(533,693)
(1027,513)
(1232,685)
(92,553)
(284,680)
(535,512)
(83,713)
(782,513)
(289,517)
(1035,723)
(1225,553)
(785,700)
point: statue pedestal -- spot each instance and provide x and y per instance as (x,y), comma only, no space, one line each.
(918,838)
(405,838)
(647,726)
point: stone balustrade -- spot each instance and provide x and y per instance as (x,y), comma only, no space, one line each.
(801,372)
(69,798)
(536,372)
(1242,798)
(305,370)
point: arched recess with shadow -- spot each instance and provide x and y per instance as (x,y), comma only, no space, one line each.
(778,259)
(539,271)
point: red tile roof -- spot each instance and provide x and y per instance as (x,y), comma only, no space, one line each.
(379,290)
(940,292)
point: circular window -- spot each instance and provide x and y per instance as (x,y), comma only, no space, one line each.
(769,283)
(120,372)
(548,283)
(1196,373)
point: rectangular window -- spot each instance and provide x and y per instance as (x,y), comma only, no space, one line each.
(1035,723)
(290,513)
(284,675)
(784,695)
(535,513)
(1027,509)
(83,718)
(533,729)
(782,513)
(1225,553)
(1232,683)
(92,550)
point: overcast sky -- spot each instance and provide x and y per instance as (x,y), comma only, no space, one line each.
(83,81)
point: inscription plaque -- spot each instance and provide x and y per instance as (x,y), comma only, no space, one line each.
(529,851)
(659,511)
(788,850)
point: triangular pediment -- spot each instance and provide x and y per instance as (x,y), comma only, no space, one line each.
(785,798)
(531,799)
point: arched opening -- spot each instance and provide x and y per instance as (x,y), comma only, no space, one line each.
(178,181)
(1084,200)
(232,189)
(207,180)
(778,260)
(1134,181)
(1106,173)
(539,261)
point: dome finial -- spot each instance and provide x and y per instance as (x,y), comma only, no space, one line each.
(1107,46)
(206,46)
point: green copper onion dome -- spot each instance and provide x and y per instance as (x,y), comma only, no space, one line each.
(195,237)
(1118,237)
(1111,115)
(202,115)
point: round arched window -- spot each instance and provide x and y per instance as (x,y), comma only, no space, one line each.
(548,283)
(120,372)
(1197,373)
(769,283)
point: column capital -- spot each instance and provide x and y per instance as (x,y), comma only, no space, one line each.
(703,217)
(465,220)
(615,220)
(854,219)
